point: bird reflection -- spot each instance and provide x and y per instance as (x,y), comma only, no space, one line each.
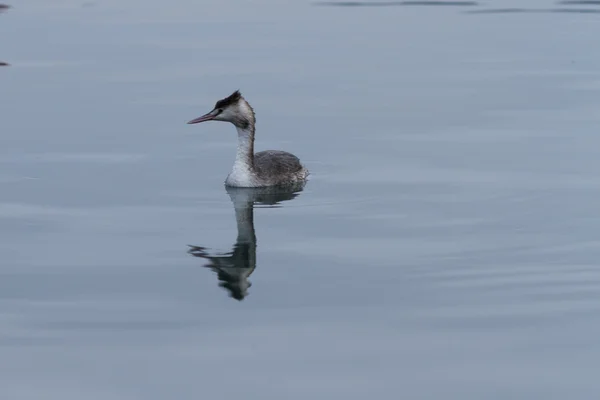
(235,267)
(4,7)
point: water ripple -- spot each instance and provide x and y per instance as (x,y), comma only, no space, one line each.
(394,3)
(534,10)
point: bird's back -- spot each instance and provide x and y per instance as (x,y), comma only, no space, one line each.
(279,167)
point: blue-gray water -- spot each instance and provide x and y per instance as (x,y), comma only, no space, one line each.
(446,246)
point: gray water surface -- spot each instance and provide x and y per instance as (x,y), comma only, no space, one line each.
(445,247)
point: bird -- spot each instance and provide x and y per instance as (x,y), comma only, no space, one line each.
(262,169)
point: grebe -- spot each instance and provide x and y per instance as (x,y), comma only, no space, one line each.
(265,168)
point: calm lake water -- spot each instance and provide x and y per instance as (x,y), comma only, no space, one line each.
(445,247)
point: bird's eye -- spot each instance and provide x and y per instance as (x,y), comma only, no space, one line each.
(219,111)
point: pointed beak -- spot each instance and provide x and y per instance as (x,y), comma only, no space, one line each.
(206,117)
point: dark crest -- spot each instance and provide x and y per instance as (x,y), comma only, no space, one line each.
(227,101)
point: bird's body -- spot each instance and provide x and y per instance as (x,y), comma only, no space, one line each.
(262,169)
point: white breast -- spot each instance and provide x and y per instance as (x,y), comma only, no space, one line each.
(240,176)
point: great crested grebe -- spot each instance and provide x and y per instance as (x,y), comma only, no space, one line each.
(265,168)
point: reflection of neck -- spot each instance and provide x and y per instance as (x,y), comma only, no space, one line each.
(244,217)
(244,158)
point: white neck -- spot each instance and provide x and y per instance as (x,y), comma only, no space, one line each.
(241,173)
(245,148)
